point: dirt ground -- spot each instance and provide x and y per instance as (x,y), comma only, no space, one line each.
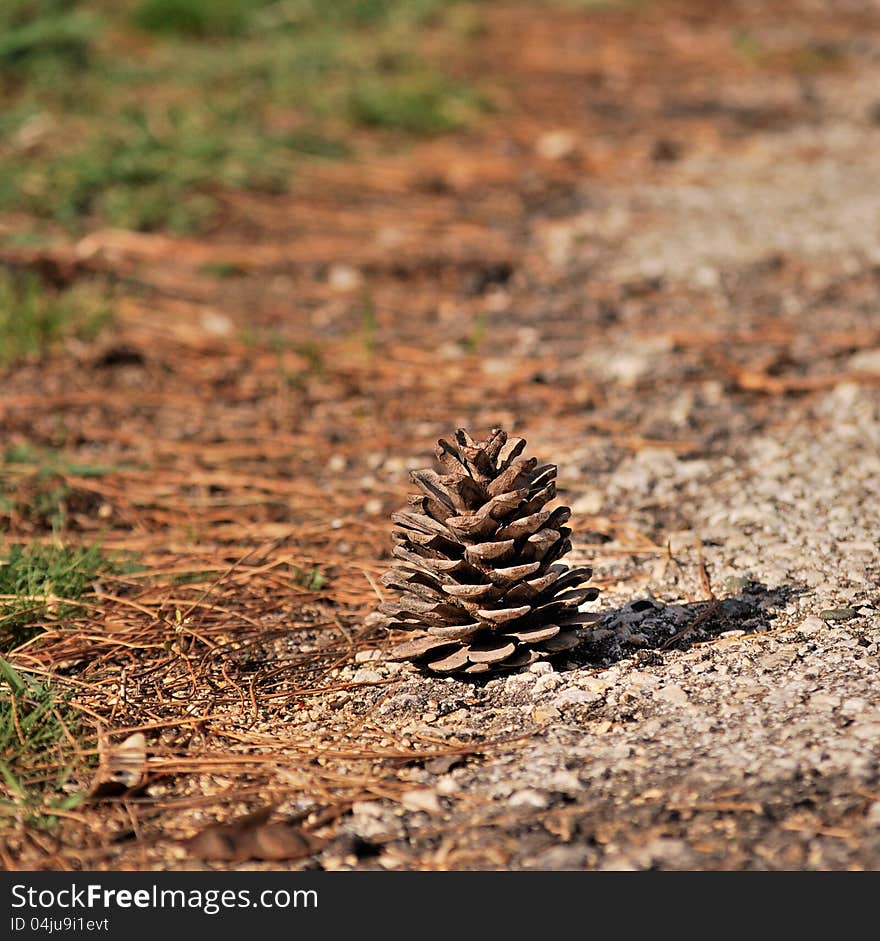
(660,264)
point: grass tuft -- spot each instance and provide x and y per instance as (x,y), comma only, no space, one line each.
(39,486)
(33,317)
(52,463)
(201,19)
(310,579)
(44,35)
(37,760)
(422,104)
(41,583)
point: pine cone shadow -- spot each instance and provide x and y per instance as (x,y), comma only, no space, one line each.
(646,627)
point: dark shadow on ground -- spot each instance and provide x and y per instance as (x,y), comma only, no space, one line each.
(647,628)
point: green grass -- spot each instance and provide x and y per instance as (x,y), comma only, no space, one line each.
(477,334)
(310,579)
(313,143)
(34,318)
(140,113)
(369,326)
(52,463)
(197,576)
(38,485)
(421,104)
(37,761)
(222,269)
(598,6)
(748,47)
(198,18)
(49,35)
(42,583)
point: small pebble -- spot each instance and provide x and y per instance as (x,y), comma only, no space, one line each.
(367,809)
(544,713)
(574,697)
(366,676)
(447,785)
(422,800)
(736,583)
(560,858)
(566,782)
(541,667)
(812,625)
(548,681)
(364,656)
(673,693)
(838,614)
(556,145)
(344,278)
(529,797)
(442,763)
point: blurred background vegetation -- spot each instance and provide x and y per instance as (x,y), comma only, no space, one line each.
(136,113)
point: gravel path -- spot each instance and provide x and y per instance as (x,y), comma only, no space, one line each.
(753,739)
(758,747)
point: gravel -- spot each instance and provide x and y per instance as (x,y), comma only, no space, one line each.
(725,713)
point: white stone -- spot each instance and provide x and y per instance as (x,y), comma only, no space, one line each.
(672,693)
(344,278)
(574,697)
(421,800)
(447,785)
(566,782)
(548,681)
(364,656)
(367,809)
(529,797)
(217,324)
(556,145)
(865,361)
(812,625)
(542,667)
(366,676)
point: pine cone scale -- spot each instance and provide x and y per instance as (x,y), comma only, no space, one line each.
(488,552)
(491,651)
(536,634)
(513,574)
(513,475)
(453,661)
(474,593)
(458,632)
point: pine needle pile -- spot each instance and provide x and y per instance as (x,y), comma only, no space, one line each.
(477,562)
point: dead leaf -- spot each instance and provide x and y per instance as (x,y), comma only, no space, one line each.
(252,837)
(121,767)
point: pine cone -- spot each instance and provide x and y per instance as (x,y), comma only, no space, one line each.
(477,562)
